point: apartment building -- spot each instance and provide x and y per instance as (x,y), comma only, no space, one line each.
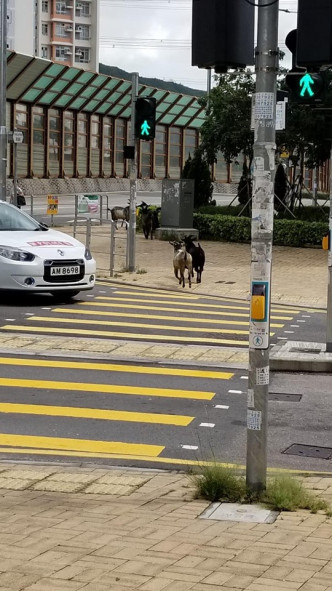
(65,31)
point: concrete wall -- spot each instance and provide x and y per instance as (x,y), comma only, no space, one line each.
(96,185)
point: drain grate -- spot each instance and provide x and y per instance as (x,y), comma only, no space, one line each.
(309,451)
(285,397)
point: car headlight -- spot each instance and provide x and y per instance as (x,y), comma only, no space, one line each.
(16,254)
(88,254)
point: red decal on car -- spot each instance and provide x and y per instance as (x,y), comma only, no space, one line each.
(49,243)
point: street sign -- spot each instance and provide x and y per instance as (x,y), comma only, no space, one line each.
(52,205)
(17,137)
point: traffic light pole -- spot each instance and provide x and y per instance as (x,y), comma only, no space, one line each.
(3,96)
(261,243)
(133,180)
(329,285)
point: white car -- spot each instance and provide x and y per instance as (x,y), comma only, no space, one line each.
(35,258)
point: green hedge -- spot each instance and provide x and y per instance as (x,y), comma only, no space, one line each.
(234,229)
(308,213)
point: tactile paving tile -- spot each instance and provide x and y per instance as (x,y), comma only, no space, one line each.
(123,479)
(73,477)
(109,489)
(15,483)
(55,486)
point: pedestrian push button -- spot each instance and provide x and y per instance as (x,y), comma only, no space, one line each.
(326,242)
(258,301)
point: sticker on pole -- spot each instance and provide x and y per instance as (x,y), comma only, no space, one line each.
(52,205)
(254,420)
(262,376)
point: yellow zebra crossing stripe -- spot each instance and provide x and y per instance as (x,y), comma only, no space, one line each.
(81,445)
(115,304)
(106,389)
(138,325)
(95,413)
(145,369)
(156,317)
(122,335)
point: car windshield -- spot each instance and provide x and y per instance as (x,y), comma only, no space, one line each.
(12,218)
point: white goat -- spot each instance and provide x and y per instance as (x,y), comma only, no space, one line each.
(182,260)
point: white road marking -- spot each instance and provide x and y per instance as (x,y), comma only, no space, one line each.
(282,338)
(46,308)
(10,319)
(222,406)
(295,326)
(235,391)
(189,446)
(244,378)
(306,316)
(289,331)
(211,425)
(301,320)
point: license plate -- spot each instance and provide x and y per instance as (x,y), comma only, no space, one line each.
(59,271)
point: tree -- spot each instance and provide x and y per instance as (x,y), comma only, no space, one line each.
(227,125)
(197,168)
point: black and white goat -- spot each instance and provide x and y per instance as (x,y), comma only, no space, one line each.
(197,254)
(181,261)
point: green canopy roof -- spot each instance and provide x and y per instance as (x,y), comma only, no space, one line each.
(36,81)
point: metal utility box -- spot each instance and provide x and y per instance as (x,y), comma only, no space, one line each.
(177,203)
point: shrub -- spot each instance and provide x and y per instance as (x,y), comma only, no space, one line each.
(286,232)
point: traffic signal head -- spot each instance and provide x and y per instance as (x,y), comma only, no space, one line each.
(222,34)
(307,88)
(145,118)
(314,33)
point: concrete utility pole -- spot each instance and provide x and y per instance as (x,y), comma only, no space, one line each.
(329,284)
(261,242)
(3,96)
(133,180)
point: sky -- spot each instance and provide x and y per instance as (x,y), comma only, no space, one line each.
(153,37)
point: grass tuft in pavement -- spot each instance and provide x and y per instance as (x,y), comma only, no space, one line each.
(217,483)
(283,492)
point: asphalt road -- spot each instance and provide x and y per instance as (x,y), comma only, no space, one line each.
(155,416)
(37,206)
(149,315)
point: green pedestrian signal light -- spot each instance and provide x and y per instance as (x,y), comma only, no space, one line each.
(307,88)
(307,82)
(145,128)
(145,118)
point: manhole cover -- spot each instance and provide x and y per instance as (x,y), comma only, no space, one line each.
(309,451)
(237,512)
(285,397)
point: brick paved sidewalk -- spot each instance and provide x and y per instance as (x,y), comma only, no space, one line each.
(299,275)
(127,529)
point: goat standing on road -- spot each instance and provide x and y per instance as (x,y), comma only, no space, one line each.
(181,261)
(198,256)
